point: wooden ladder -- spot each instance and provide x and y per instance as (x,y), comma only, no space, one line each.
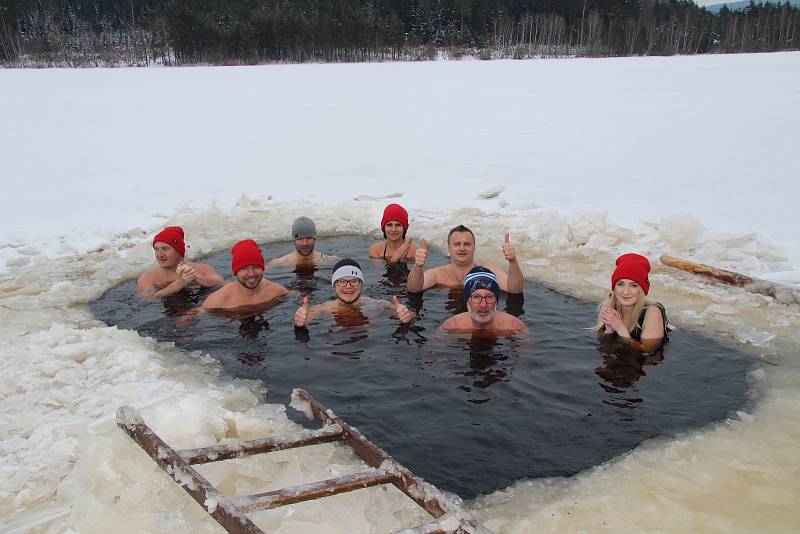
(231,511)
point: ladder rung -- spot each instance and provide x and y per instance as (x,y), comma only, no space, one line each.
(314,490)
(258,446)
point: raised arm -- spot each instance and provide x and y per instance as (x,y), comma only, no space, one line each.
(418,279)
(514,283)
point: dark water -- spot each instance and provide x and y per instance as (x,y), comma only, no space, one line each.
(468,415)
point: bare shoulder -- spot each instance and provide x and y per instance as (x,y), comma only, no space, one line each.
(218,298)
(283,260)
(654,312)
(276,288)
(376,250)
(456,322)
(146,279)
(506,321)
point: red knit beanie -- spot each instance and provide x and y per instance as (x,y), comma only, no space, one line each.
(172,236)
(244,254)
(632,267)
(395,212)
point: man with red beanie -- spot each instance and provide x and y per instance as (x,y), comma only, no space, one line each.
(173,272)
(396,247)
(250,287)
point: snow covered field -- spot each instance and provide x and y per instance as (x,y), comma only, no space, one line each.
(584,159)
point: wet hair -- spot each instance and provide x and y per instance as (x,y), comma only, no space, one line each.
(460,228)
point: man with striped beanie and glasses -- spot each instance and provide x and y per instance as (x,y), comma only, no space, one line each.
(481,292)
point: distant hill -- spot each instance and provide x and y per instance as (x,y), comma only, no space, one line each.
(741,6)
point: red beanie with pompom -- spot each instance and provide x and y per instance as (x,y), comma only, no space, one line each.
(244,254)
(172,236)
(395,212)
(632,267)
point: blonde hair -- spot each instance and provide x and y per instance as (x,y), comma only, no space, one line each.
(642,303)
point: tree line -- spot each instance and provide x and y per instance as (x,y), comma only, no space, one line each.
(183,32)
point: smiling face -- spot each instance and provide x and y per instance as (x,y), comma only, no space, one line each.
(462,248)
(250,276)
(394,231)
(166,256)
(348,289)
(482,305)
(627,292)
(304,246)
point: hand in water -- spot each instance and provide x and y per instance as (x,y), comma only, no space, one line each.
(301,315)
(422,254)
(508,249)
(402,311)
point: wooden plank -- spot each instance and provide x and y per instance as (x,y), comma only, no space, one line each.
(314,490)
(258,446)
(216,504)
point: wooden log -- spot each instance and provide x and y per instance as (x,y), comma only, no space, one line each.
(313,490)
(258,446)
(781,292)
(219,506)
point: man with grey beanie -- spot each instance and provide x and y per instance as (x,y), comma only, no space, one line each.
(304,234)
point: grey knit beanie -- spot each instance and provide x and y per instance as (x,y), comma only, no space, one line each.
(303,227)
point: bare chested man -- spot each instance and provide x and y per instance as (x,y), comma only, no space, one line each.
(461,244)
(250,287)
(481,291)
(173,272)
(347,281)
(304,233)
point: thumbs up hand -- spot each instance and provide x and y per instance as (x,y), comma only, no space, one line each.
(508,250)
(402,311)
(422,254)
(301,315)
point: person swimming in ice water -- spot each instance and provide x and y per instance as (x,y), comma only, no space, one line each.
(347,282)
(481,291)
(396,247)
(461,245)
(250,287)
(628,313)
(304,233)
(173,272)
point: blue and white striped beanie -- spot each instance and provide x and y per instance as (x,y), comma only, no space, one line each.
(480,278)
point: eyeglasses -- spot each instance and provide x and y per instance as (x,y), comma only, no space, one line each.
(344,282)
(478,299)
